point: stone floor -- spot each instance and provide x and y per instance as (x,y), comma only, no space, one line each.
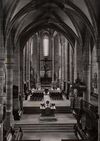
(49,136)
(34,119)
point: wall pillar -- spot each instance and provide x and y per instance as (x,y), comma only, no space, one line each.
(2,73)
(59,44)
(1,96)
(16,81)
(52,41)
(98,85)
(9,83)
(28,63)
(99,98)
(75,61)
(63,62)
(38,60)
(70,62)
(21,85)
(87,68)
(66,63)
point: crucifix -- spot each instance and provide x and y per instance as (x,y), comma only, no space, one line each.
(46,68)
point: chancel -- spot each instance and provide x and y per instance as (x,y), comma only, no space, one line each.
(49,70)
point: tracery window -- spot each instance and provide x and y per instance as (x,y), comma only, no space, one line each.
(46,45)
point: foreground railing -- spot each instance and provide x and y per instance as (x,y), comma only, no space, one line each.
(86,115)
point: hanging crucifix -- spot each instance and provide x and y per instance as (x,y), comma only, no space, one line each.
(46,67)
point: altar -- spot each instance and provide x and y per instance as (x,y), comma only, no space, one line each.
(47,111)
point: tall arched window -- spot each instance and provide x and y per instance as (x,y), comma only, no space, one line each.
(45,45)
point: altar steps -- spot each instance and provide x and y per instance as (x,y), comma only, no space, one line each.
(61,140)
(46,127)
(36,110)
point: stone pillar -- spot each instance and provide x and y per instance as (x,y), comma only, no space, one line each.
(28,63)
(89,75)
(98,85)
(66,62)
(63,60)
(1,95)
(21,89)
(38,60)
(2,73)
(16,80)
(52,41)
(87,68)
(70,62)
(24,65)
(99,98)
(75,61)
(59,60)
(34,57)
(9,83)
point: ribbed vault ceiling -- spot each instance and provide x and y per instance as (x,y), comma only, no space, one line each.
(70,17)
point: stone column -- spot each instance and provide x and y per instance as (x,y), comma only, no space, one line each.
(89,75)
(87,68)
(9,83)
(1,95)
(70,62)
(24,52)
(52,41)
(99,97)
(21,89)
(2,73)
(38,60)
(59,60)
(16,80)
(75,61)
(27,63)
(98,85)
(66,62)
(63,61)
(34,57)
